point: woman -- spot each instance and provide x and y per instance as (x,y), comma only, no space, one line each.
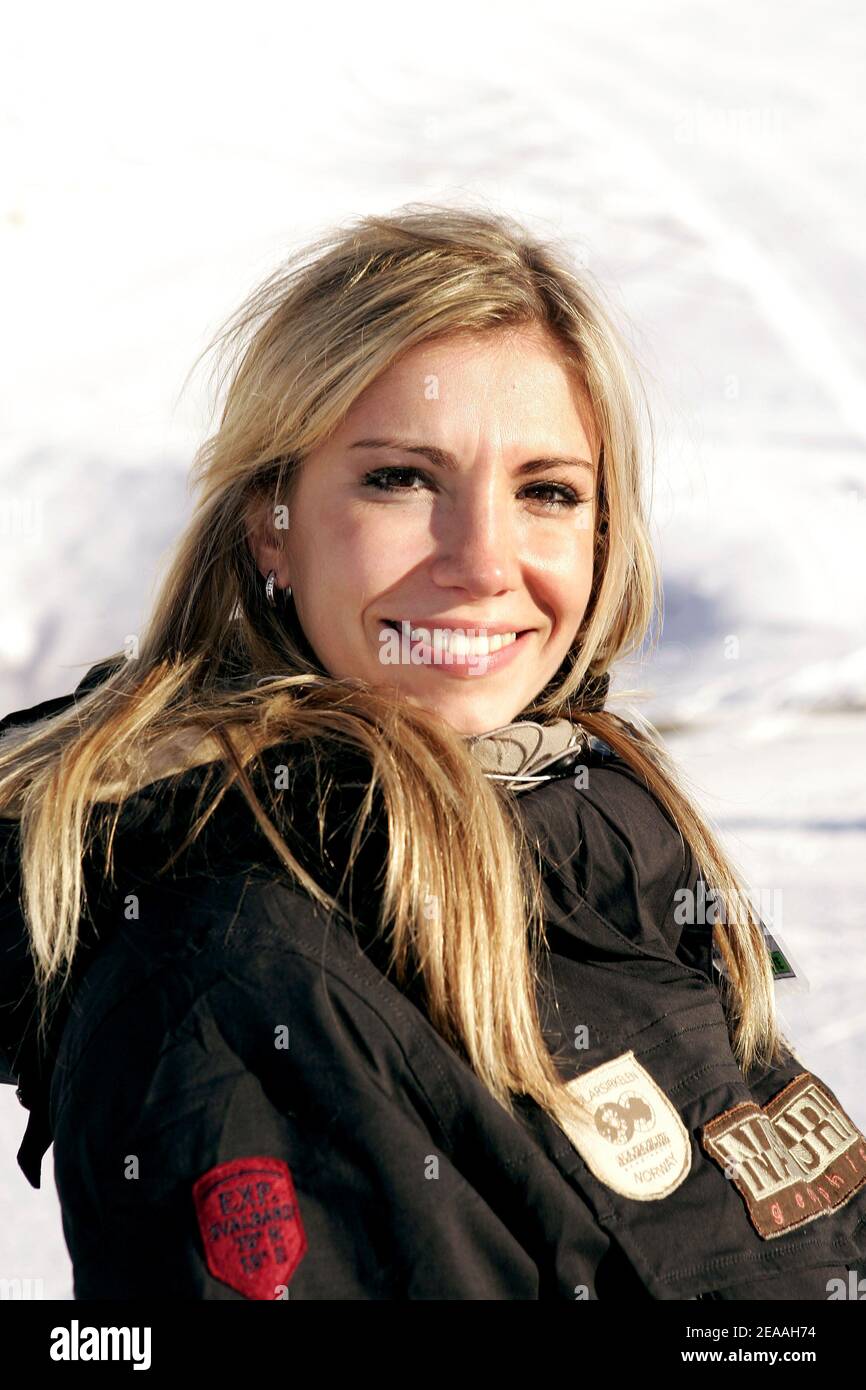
(368,952)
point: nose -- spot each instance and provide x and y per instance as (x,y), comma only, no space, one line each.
(477,549)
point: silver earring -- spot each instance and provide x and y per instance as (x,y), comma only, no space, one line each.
(269,589)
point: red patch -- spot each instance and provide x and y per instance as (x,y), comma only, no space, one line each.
(250,1224)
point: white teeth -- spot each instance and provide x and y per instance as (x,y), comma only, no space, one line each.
(455,641)
(459,643)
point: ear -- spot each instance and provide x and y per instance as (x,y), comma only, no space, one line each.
(263,542)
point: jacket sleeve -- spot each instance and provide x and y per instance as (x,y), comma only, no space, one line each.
(273,1153)
(382,1211)
(16,967)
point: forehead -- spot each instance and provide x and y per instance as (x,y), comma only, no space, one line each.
(511,380)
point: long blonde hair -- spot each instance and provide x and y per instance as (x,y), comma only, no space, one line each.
(300,350)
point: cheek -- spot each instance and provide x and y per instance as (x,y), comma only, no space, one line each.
(357,557)
(563,588)
(562,562)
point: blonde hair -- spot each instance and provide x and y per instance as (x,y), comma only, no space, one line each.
(301,349)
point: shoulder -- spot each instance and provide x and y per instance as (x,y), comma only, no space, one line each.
(603,804)
(616,799)
(33,714)
(609,843)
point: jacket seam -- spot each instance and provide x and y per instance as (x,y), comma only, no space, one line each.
(667,957)
(758,1257)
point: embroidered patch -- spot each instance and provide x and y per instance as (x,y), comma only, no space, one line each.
(250,1224)
(635,1141)
(797,1158)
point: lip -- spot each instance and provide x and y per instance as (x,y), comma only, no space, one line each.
(467,665)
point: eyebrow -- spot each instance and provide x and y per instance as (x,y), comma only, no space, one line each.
(444,459)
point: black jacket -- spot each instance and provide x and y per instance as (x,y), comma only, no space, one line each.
(244,1105)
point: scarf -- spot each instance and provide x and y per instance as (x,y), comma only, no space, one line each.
(518,753)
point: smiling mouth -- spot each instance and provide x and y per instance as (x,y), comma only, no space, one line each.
(457,640)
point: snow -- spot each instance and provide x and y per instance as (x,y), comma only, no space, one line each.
(705,166)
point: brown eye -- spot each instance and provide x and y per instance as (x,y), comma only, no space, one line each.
(382,479)
(564,496)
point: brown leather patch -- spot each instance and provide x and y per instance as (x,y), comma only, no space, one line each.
(797,1158)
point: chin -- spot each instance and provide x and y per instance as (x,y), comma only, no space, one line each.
(467,717)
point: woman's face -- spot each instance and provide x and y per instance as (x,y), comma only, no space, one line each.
(485,522)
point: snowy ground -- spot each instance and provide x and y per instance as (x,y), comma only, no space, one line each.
(705,162)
